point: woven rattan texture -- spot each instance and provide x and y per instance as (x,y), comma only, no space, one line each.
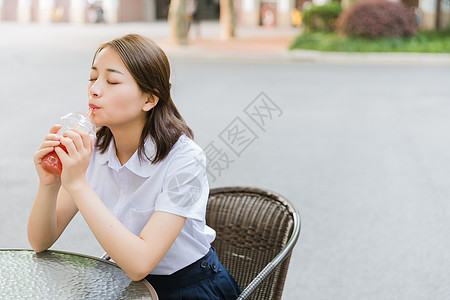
(252,227)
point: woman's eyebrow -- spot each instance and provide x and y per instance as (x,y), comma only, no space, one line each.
(108,70)
(114,71)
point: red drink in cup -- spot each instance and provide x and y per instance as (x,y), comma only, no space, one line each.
(51,163)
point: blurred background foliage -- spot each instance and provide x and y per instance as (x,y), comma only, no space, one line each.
(368,26)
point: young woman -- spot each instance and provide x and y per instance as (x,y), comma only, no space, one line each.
(142,188)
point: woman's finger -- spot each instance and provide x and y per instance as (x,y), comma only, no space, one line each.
(52,137)
(69,145)
(75,137)
(55,128)
(39,154)
(62,155)
(49,143)
(86,138)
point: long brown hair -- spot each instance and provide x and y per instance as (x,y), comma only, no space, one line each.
(150,67)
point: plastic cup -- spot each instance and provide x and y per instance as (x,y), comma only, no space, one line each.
(51,162)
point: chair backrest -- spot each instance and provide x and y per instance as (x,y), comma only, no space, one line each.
(253,226)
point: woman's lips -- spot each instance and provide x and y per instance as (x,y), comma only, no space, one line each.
(93,107)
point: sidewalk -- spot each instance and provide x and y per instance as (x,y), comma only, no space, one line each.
(251,44)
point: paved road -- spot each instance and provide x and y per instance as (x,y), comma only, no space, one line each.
(362,151)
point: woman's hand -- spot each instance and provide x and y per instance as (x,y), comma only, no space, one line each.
(75,161)
(51,142)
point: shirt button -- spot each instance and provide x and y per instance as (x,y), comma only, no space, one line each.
(203,264)
(214,266)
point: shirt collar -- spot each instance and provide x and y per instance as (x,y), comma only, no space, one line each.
(142,168)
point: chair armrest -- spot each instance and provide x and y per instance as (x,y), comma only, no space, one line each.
(287,250)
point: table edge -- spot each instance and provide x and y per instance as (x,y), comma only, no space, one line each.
(63,252)
(146,283)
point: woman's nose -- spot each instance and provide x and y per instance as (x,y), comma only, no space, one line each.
(95,91)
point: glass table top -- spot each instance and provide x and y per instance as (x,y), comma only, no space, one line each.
(25,274)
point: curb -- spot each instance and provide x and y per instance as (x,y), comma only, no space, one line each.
(309,56)
(400,58)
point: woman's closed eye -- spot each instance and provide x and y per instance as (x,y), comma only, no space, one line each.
(108,81)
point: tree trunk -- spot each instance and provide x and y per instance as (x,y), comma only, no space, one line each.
(227,18)
(438,14)
(178,22)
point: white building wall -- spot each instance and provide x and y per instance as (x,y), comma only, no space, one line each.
(24,11)
(1,9)
(428,10)
(77,11)
(284,8)
(250,12)
(45,10)
(111,10)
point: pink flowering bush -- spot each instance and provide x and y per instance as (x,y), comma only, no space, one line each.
(377,19)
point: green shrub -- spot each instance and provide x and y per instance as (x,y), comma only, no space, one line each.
(323,17)
(424,42)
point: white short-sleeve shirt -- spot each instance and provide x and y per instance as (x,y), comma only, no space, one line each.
(177,185)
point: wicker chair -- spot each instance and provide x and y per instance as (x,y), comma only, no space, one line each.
(256,232)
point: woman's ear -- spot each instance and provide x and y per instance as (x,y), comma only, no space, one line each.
(150,102)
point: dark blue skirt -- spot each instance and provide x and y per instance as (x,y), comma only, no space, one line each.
(204,279)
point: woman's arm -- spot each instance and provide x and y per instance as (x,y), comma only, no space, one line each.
(52,211)
(136,255)
(53,208)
